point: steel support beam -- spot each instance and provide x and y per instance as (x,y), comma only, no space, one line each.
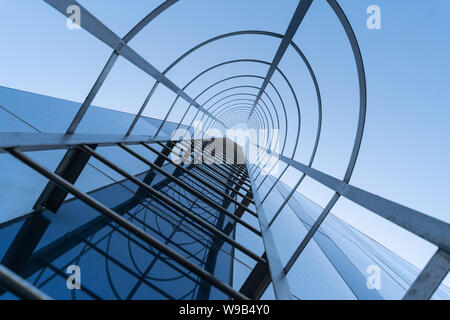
(173,204)
(209,174)
(429,228)
(296,20)
(186,186)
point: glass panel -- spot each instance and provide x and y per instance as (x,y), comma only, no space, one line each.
(20,186)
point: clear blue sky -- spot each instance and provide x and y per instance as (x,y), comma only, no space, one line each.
(405,151)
